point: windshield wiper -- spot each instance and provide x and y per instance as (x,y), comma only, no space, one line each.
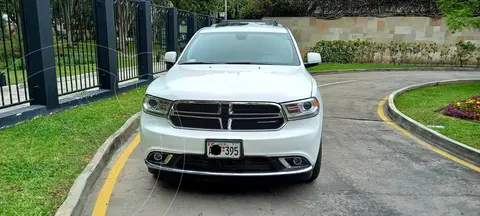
(238,63)
(199,63)
(254,63)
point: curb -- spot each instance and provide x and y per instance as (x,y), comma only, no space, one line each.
(317,73)
(453,147)
(75,201)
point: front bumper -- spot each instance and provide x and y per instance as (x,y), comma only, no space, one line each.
(228,174)
(296,139)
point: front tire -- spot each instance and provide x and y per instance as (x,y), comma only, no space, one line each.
(318,164)
(154,172)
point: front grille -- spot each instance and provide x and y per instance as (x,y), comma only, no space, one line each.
(260,108)
(226,115)
(199,108)
(246,164)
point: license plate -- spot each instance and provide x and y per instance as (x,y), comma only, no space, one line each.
(224,148)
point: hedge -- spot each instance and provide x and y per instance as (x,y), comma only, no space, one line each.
(357,51)
(333,9)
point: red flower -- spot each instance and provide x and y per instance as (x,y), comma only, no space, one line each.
(270,3)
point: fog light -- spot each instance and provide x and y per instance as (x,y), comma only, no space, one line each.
(297,161)
(157,157)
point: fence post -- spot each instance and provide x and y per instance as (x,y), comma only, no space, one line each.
(106,44)
(144,41)
(172,29)
(40,57)
(208,21)
(172,32)
(192,25)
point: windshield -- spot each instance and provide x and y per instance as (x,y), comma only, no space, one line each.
(241,48)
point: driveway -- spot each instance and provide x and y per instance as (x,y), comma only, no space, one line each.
(368,168)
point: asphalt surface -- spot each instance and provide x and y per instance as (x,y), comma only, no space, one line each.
(368,168)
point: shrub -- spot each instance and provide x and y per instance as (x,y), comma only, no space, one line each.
(7,45)
(338,51)
(477,56)
(250,11)
(464,52)
(381,48)
(394,48)
(444,53)
(357,51)
(431,50)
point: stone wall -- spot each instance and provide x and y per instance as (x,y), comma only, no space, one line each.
(309,30)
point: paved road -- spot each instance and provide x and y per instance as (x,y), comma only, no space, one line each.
(368,168)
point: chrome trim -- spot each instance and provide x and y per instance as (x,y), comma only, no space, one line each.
(253,118)
(284,162)
(253,174)
(201,113)
(200,117)
(265,114)
(280,114)
(229,127)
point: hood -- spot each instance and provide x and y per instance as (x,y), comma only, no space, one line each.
(233,83)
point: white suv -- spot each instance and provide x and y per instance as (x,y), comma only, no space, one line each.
(238,102)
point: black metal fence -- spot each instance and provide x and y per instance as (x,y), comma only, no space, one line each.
(183,37)
(202,20)
(74,46)
(159,42)
(93,44)
(125,21)
(13,77)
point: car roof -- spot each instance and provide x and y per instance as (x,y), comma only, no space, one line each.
(245,26)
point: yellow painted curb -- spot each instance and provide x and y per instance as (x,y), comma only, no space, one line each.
(103,198)
(386,119)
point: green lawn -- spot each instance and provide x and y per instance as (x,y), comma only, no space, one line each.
(41,158)
(422,104)
(337,66)
(81,50)
(71,70)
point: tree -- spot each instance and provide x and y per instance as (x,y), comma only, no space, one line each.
(199,6)
(12,9)
(461,14)
(62,12)
(125,16)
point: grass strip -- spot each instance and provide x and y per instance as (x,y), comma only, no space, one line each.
(422,105)
(41,158)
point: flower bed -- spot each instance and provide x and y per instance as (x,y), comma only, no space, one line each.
(467,109)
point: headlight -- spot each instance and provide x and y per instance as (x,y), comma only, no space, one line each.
(156,106)
(301,109)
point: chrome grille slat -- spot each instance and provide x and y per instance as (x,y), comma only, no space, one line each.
(200,117)
(199,113)
(247,114)
(253,118)
(228,119)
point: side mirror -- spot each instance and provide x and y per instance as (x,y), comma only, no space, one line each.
(171,57)
(313,59)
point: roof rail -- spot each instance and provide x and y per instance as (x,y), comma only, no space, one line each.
(266,22)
